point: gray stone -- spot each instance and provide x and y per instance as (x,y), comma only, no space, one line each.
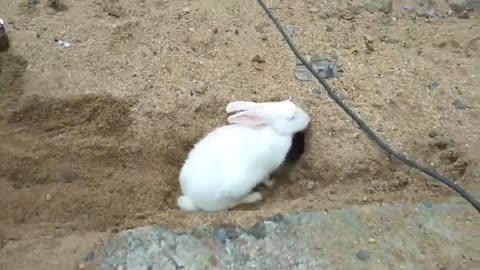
(363,255)
(323,66)
(314,240)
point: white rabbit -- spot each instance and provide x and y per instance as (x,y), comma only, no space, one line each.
(223,168)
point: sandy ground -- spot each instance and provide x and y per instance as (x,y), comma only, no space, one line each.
(92,137)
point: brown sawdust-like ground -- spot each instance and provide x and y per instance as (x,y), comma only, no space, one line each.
(92,137)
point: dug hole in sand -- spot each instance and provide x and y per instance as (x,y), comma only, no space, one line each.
(92,136)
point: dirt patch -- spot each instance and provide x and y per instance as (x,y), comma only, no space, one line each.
(92,137)
(98,115)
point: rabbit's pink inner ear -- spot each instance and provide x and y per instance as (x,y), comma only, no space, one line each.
(244,119)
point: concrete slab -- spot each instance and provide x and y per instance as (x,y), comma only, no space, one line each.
(422,236)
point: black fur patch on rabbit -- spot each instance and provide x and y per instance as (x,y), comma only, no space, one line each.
(297,148)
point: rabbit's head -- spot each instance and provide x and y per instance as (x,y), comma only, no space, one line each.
(284,117)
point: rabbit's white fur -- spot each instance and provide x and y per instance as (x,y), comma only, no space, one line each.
(223,168)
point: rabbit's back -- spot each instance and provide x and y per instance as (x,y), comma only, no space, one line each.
(230,162)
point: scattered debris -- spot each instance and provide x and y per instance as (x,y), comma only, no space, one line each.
(324,66)
(258,62)
(62,43)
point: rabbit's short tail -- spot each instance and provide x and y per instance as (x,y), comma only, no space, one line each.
(186,203)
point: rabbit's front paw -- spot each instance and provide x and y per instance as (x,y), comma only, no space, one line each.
(268,182)
(252,198)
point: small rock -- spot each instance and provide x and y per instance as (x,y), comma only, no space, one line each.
(442,143)
(258,62)
(442,267)
(226,232)
(433,134)
(440,44)
(389,40)
(473,47)
(427,204)
(186,10)
(66,175)
(314,10)
(329,28)
(323,66)
(458,6)
(345,15)
(32,3)
(371,240)
(200,88)
(114,229)
(434,85)
(114,11)
(385,6)
(81,266)
(215,30)
(316,92)
(292,30)
(260,28)
(460,105)
(259,230)
(89,257)
(149,267)
(48,197)
(363,255)
(4,41)
(277,218)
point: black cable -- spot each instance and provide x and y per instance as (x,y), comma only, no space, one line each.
(365,127)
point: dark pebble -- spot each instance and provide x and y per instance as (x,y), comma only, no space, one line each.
(89,257)
(149,267)
(259,230)
(329,29)
(363,255)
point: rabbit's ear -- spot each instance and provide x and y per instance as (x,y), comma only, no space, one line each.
(247,119)
(240,106)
